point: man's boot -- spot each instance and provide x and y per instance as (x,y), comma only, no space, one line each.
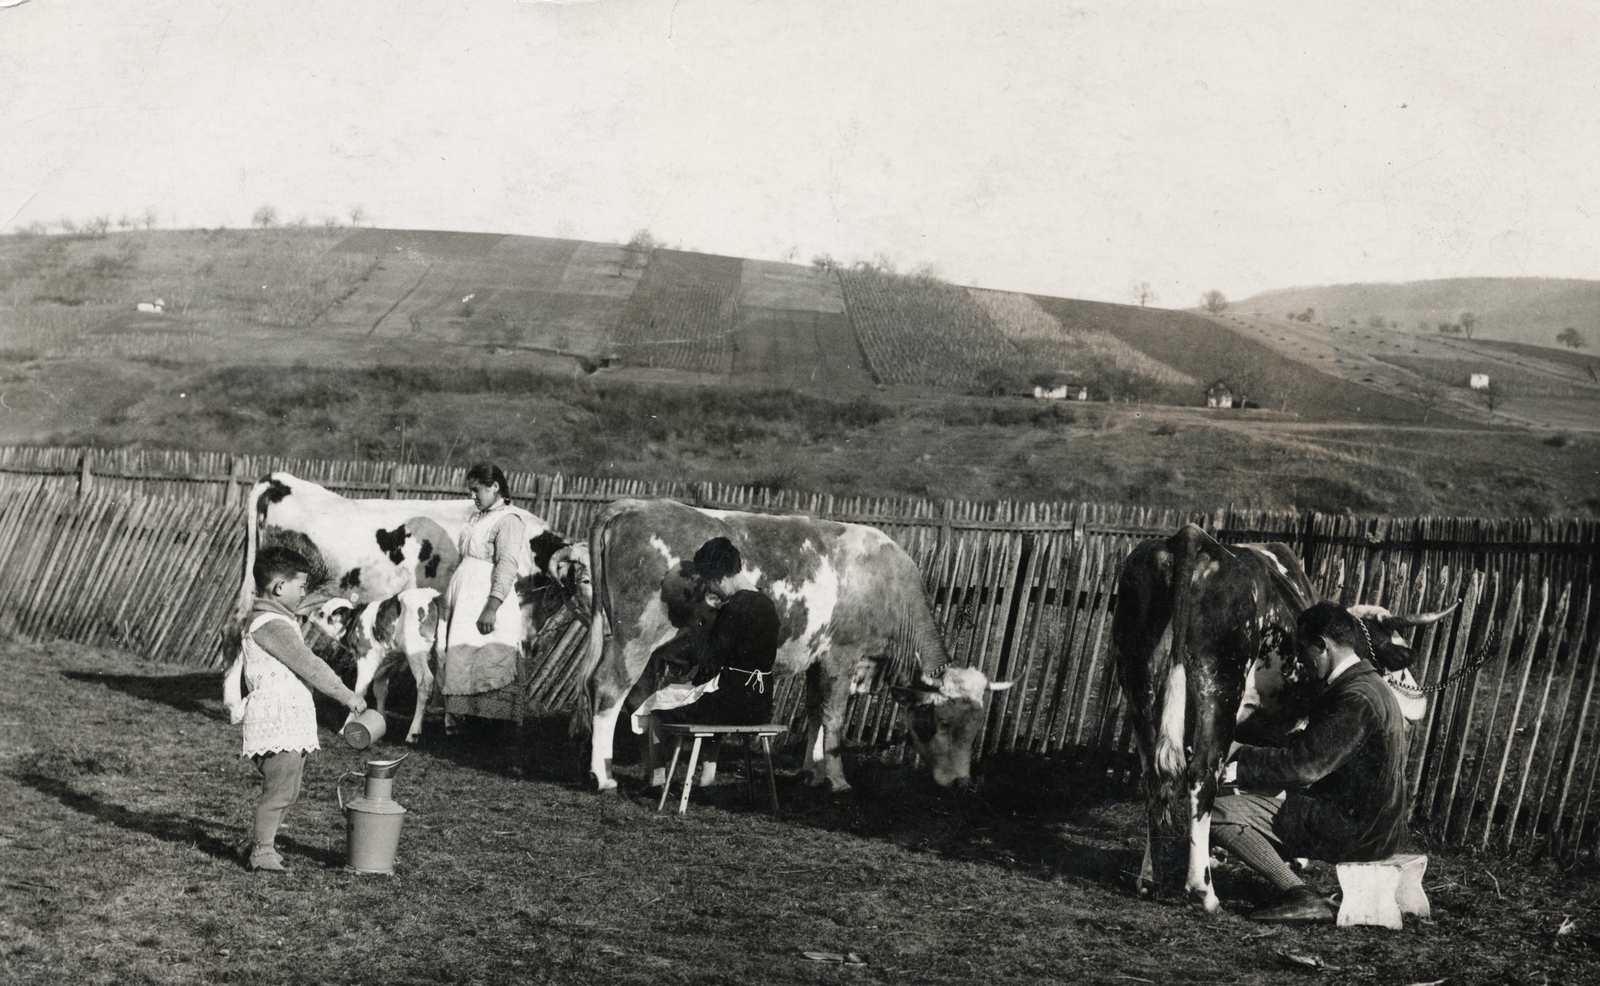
(1298,905)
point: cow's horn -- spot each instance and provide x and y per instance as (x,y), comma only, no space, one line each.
(1000,686)
(1417,619)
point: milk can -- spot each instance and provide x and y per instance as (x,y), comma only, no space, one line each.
(372,820)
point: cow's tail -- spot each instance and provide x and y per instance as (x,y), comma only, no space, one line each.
(582,722)
(247,585)
(1171,760)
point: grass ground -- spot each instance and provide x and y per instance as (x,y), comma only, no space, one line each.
(124,795)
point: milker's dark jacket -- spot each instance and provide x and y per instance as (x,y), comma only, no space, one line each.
(1345,773)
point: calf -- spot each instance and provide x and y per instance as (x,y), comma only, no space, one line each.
(383,636)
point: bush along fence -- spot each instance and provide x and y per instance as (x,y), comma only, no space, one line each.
(144,551)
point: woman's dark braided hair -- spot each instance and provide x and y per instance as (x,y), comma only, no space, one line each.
(489,474)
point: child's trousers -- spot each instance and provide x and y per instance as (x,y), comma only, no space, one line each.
(280,788)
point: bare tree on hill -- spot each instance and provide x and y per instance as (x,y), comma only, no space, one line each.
(1468,322)
(1570,336)
(1429,395)
(1215,301)
(266,217)
(1143,293)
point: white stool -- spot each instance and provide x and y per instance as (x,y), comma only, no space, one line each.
(698,733)
(1381,891)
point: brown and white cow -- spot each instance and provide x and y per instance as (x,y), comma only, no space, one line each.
(850,601)
(1203,639)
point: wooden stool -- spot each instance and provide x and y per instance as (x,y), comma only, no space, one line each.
(682,732)
(1381,891)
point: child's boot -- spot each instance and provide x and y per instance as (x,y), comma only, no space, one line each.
(265,857)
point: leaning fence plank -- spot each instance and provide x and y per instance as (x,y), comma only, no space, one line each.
(1558,627)
(1564,706)
(1461,723)
(1575,755)
(1513,621)
(1530,647)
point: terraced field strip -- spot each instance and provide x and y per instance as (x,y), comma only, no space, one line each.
(922,331)
(812,352)
(1074,353)
(682,313)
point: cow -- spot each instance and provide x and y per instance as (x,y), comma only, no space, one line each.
(1203,641)
(372,549)
(853,613)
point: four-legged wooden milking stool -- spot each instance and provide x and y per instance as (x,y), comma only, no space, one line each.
(699,733)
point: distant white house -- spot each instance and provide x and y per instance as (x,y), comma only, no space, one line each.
(1218,395)
(1479,381)
(153,308)
(1060,393)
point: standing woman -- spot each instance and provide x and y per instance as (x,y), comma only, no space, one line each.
(483,639)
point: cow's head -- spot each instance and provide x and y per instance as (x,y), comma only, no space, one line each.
(945,715)
(569,568)
(332,617)
(1328,633)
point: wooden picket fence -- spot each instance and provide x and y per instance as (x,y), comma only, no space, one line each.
(144,550)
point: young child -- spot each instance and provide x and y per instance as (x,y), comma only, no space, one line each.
(280,723)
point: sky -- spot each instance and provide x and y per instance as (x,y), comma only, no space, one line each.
(1033,146)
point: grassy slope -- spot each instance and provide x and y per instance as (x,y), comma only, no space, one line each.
(1208,351)
(217,376)
(1531,310)
(124,795)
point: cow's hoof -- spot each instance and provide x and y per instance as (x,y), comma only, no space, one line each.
(1204,901)
(602,784)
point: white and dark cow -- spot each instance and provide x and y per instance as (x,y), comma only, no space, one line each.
(850,601)
(373,549)
(1203,639)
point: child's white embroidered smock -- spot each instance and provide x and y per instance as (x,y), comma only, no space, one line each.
(278,712)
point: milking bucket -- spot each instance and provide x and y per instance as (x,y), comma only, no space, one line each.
(372,820)
(364,730)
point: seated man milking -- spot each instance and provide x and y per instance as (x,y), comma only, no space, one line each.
(718,671)
(1343,776)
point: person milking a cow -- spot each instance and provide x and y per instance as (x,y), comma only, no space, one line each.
(718,670)
(483,620)
(1342,777)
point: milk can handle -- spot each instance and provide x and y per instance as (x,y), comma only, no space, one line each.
(338,786)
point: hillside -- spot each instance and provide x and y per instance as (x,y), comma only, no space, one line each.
(1528,310)
(595,359)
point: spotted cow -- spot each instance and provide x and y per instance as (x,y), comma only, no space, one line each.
(852,608)
(368,549)
(1203,639)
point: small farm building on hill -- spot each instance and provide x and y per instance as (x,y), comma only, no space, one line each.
(1218,395)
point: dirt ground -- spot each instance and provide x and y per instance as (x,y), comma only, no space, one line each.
(124,797)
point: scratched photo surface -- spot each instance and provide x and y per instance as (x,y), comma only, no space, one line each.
(1021,286)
